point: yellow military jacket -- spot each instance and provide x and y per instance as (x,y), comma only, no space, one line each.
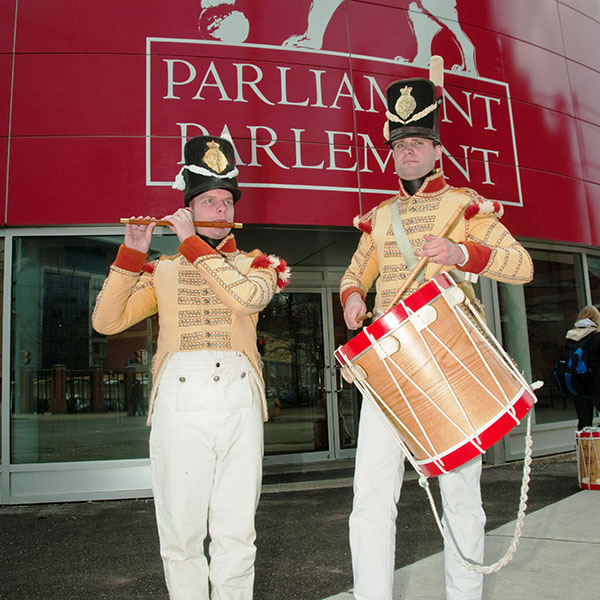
(206,299)
(493,252)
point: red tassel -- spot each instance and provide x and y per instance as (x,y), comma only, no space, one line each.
(366,227)
(261,262)
(281,284)
(471,211)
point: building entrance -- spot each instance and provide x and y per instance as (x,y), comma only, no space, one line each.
(310,412)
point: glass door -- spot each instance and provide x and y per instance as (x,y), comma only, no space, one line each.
(310,411)
(291,341)
(346,400)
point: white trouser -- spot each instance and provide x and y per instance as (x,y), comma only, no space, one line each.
(377,485)
(206,448)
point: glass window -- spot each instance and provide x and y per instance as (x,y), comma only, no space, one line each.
(594,277)
(76,395)
(1,327)
(535,319)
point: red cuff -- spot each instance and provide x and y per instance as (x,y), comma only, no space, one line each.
(344,295)
(194,247)
(129,259)
(479,256)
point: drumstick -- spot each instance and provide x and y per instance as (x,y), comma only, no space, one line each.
(163,223)
(447,227)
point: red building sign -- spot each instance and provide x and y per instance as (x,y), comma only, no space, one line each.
(99,100)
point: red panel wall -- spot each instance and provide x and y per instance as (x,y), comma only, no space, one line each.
(93,114)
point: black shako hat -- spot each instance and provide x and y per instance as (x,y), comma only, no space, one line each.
(209,165)
(412,106)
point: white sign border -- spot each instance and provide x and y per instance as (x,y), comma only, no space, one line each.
(360,190)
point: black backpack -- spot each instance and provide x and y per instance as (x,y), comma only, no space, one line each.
(572,368)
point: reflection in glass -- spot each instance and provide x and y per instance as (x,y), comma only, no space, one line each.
(1,323)
(594,278)
(552,301)
(348,397)
(76,395)
(290,340)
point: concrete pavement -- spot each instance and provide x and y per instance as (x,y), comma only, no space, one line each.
(558,557)
(109,550)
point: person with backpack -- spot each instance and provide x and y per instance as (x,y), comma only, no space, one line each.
(585,390)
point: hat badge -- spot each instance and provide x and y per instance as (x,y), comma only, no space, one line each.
(214,157)
(406,104)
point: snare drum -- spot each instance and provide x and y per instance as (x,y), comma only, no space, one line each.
(439,376)
(588,458)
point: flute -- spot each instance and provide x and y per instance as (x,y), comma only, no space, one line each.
(163,223)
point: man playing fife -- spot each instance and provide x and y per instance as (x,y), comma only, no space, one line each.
(207,403)
(395,234)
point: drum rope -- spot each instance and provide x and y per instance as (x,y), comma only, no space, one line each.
(467,564)
(424,483)
(491,339)
(407,402)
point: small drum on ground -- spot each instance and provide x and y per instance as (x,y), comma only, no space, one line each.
(588,457)
(438,374)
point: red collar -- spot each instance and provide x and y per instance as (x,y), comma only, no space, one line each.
(227,245)
(433,185)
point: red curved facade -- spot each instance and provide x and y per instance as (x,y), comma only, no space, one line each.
(96,99)
(96,102)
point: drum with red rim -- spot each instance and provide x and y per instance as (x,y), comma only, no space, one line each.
(439,376)
(588,457)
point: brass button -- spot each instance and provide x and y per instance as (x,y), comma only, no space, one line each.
(216,378)
(243,374)
(182,379)
(218,365)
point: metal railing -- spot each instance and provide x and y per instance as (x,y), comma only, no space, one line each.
(94,390)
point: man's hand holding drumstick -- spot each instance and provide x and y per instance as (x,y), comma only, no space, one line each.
(442,251)
(354,309)
(439,250)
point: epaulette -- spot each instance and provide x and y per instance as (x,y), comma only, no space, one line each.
(270,261)
(480,206)
(365,222)
(149,267)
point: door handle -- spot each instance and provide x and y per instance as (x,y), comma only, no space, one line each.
(321,376)
(339,381)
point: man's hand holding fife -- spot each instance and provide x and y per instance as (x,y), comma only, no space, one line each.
(138,237)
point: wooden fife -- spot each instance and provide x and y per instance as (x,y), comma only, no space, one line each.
(163,223)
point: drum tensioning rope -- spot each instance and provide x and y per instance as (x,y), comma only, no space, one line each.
(424,483)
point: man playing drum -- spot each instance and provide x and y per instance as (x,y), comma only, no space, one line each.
(394,233)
